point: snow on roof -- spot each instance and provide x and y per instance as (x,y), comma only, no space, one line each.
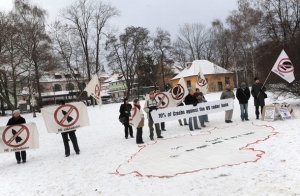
(201,65)
(103,75)
(111,78)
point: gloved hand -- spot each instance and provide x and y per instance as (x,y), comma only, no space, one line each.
(195,104)
(261,90)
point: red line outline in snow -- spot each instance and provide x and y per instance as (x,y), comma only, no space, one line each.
(242,148)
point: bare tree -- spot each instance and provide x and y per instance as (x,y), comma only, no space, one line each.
(193,38)
(162,46)
(125,52)
(88,19)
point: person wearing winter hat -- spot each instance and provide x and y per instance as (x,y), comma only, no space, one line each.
(125,112)
(258,93)
(228,93)
(15,120)
(243,95)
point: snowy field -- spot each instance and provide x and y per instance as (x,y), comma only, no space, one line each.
(103,149)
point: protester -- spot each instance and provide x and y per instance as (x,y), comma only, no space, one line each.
(150,105)
(139,129)
(201,100)
(184,120)
(125,113)
(162,124)
(72,136)
(15,120)
(243,95)
(190,99)
(204,100)
(227,94)
(258,93)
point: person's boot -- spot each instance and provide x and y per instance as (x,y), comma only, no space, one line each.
(257,117)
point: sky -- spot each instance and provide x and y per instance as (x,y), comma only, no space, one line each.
(166,14)
(104,151)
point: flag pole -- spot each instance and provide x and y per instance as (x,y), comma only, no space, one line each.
(79,95)
(264,82)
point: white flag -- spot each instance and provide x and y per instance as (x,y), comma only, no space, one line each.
(63,118)
(178,93)
(93,89)
(135,116)
(284,67)
(201,82)
(19,137)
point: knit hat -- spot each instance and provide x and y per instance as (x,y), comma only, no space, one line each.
(62,102)
(255,78)
(16,111)
(243,84)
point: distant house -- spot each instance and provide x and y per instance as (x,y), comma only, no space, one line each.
(61,85)
(216,76)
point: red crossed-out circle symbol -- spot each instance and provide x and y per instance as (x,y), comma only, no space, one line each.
(97,91)
(65,115)
(17,131)
(177,92)
(201,81)
(133,113)
(285,66)
(162,99)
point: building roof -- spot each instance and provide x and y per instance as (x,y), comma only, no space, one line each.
(201,65)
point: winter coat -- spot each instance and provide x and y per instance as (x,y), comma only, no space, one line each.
(227,94)
(190,100)
(150,104)
(260,100)
(141,123)
(125,107)
(243,95)
(14,121)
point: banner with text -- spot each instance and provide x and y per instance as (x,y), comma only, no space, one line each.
(175,113)
(19,137)
(66,117)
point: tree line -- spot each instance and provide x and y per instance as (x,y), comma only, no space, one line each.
(83,38)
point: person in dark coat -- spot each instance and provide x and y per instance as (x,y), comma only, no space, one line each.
(125,112)
(190,99)
(184,120)
(243,95)
(15,120)
(72,136)
(258,93)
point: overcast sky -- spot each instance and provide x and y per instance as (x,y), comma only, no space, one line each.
(167,14)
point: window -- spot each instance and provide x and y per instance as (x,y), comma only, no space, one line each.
(227,81)
(67,75)
(69,86)
(57,87)
(188,83)
(81,85)
(58,76)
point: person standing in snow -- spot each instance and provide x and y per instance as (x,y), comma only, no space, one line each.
(139,129)
(125,112)
(227,94)
(258,93)
(150,105)
(72,136)
(17,119)
(243,95)
(190,99)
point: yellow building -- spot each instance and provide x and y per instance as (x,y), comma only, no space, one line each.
(216,76)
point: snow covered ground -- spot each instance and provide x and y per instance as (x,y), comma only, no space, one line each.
(103,148)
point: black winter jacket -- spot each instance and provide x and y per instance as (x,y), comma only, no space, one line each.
(13,121)
(190,100)
(243,95)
